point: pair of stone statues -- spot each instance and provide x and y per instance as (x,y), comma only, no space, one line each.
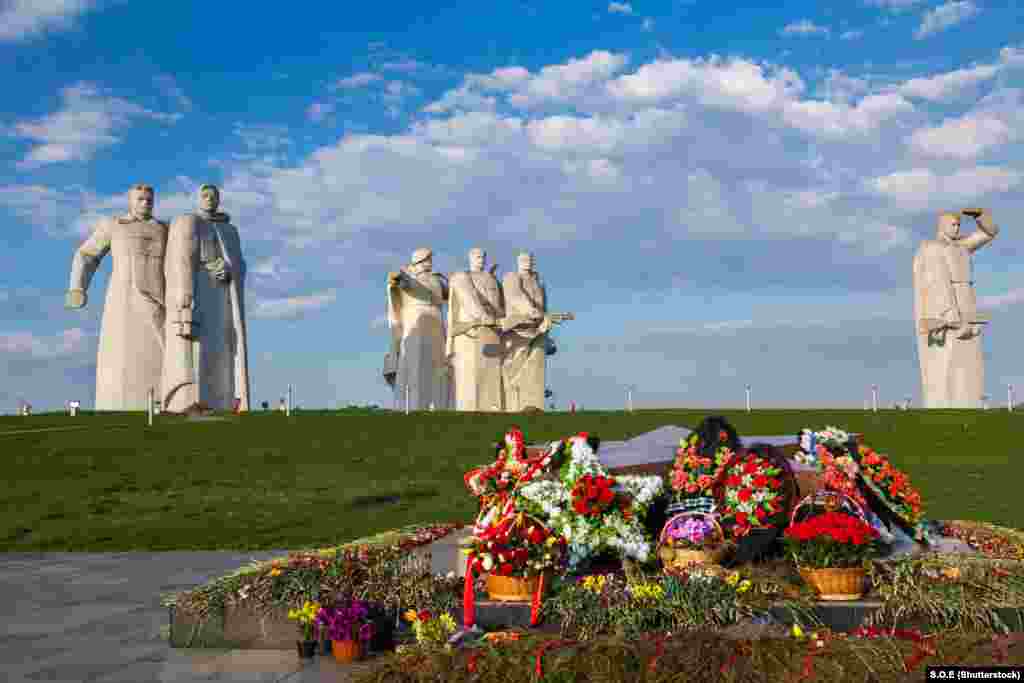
(489,352)
(174,316)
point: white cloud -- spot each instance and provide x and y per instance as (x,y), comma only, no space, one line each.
(949,85)
(26,19)
(270,268)
(967,137)
(945,16)
(921,188)
(359,80)
(292,307)
(27,345)
(804,27)
(88,121)
(406,65)
(620,8)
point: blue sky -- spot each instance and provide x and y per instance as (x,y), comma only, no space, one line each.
(723,193)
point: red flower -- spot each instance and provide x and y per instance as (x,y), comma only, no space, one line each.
(744,495)
(723,435)
(424,615)
(606,496)
(505,569)
(741,518)
(760,481)
(733,481)
(750,467)
(759,513)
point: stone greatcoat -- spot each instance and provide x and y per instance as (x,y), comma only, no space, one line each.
(418,340)
(525,341)
(130,354)
(212,366)
(475,309)
(952,367)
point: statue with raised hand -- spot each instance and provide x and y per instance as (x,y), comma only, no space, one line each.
(947,320)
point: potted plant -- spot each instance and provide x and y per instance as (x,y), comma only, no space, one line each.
(348,627)
(829,550)
(307,621)
(691,538)
(432,631)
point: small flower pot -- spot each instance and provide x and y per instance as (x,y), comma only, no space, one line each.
(306,648)
(511,588)
(836,583)
(346,651)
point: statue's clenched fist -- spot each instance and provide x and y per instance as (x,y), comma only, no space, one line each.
(75,298)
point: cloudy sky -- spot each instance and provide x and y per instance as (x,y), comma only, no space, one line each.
(723,194)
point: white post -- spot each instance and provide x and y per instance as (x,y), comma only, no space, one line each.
(149,409)
(407,399)
(1009,398)
(288,403)
(984,402)
(874,398)
(629,399)
(748,398)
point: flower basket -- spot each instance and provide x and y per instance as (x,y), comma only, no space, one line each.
(836,583)
(809,481)
(512,588)
(346,651)
(831,501)
(712,553)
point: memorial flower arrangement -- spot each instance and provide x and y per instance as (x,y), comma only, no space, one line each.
(591,510)
(891,486)
(831,540)
(692,533)
(694,475)
(752,496)
(347,620)
(514,546)
(833,459)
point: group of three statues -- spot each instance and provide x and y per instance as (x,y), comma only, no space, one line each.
(487,354)
(174,316)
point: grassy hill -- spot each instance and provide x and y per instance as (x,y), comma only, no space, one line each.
(266,481)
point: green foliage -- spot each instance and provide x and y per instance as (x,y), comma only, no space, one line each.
(319,478)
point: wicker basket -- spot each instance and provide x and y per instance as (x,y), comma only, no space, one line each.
(830,500)
(681,557)
(511,588)
(836,583)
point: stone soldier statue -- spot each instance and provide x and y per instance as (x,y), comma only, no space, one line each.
(207,345)
(526,341)
(475,310)
(416,365)
(130,354)
(947,321)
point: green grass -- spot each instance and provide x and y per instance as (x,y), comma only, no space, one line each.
(320,478)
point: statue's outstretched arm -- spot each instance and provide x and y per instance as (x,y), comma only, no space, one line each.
(85,262)
(986,232)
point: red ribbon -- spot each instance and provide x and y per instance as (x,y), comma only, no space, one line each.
(535,607)
(544,647)
(469,597)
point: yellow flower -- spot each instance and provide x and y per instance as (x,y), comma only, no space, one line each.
(797,631)
(411,616)
(744,586)
(448,622)
(275,572)
(733,578)
(551,541)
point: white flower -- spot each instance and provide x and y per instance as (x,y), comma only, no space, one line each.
(488,563)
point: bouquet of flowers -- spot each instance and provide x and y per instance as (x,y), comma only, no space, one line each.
(692,533)
(752,496)
(306,618)
(577,506)
(831,540)
(892,487)
(430,629)
(828,451)
(347,620)
(514,546)
(693,475)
